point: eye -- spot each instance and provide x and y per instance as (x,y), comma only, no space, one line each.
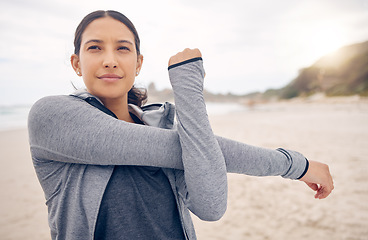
(124,48)
(94,47)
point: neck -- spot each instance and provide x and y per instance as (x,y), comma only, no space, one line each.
(119,107)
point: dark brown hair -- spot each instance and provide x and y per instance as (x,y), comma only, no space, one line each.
(136,96)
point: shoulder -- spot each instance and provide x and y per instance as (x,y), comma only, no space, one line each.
(51,105)
(55,101)
(58,112)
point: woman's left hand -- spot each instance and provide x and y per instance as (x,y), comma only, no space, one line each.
(186,54)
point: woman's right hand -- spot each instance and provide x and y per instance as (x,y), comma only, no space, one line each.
(319,179)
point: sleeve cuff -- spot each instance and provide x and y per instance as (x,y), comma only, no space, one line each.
(298,164)
(305,170)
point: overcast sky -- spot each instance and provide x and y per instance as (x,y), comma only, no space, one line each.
(247,45)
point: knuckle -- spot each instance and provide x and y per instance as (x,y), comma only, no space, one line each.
(325,167)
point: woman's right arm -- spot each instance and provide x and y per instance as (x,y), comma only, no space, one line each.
(67,129)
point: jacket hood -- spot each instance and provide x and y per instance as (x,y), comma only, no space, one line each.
(157,114)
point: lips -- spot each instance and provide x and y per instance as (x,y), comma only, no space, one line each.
(110,78)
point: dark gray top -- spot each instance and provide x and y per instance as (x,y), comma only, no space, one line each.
(138,204)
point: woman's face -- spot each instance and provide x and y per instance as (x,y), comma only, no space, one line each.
(108,59)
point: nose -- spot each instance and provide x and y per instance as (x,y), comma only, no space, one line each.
(110,61)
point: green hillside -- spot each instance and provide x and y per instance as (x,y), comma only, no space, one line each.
(342,73)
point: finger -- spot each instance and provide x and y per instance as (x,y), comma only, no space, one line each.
(323,192)
(313,186)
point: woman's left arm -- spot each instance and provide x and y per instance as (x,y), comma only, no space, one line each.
(204,164)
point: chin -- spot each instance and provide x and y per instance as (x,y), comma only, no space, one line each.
(107,94)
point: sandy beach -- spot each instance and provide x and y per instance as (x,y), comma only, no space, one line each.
(267,208)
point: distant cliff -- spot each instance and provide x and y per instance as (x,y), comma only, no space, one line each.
(342,73)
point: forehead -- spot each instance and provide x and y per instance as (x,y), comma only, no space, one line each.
(107,28)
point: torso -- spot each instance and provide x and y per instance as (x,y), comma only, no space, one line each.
(138,203)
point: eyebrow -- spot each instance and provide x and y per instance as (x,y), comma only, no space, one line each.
(125,41)
(100,41)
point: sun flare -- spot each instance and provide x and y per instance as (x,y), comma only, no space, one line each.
(325,41)
(320,40)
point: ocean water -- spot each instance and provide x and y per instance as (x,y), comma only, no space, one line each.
(216,108)
(15,117)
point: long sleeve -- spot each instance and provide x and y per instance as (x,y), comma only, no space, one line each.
(257,161)
(204,165)
(67,129)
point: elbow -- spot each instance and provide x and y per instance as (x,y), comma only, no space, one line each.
(211,212)
(211,205)
(215,216)
(212,215)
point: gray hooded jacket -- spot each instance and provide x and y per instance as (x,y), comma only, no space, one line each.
(75,146)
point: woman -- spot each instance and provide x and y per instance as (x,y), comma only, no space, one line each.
(111,169)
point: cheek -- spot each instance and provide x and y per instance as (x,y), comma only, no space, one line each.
(87,73)
(130,81)
(129,64)
(85,69)
(88,69)
(130,69)
(89,65)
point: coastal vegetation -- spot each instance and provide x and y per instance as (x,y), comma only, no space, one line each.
(341,73)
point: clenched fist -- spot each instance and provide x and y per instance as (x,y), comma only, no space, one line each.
(185,55)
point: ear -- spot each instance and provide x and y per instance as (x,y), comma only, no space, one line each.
(74,60)
(139,63)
